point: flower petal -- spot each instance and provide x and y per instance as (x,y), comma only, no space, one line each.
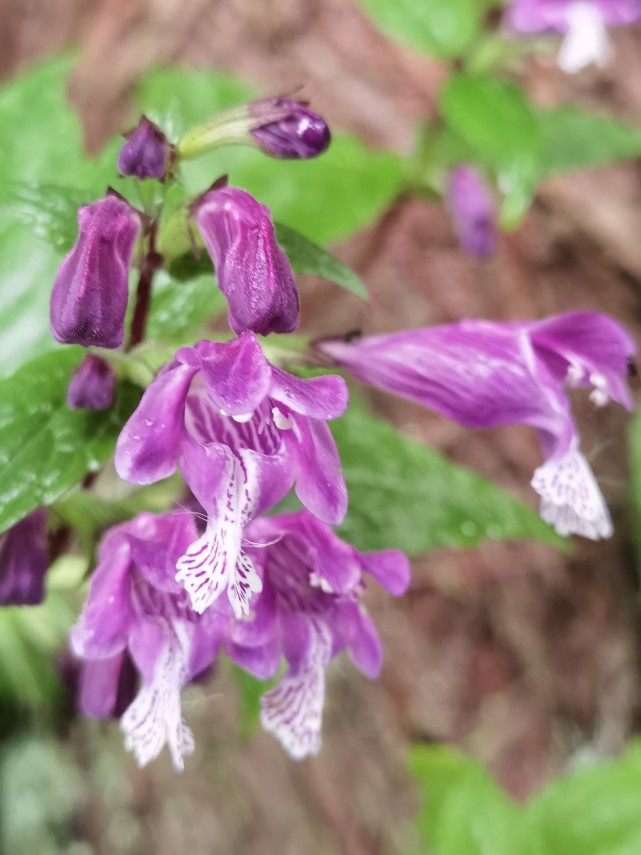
(317,397)
(293,710)
(149,444)
(571,500)
(391,569)
(320,484)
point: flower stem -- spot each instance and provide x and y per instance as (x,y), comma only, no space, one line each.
(150,264)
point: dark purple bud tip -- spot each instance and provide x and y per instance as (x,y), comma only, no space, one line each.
(146,154)
(90,293)
(299,133)
(92,386)
(472,211)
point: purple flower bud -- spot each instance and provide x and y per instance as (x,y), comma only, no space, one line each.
(24,561)
(146,153)
(472,211)
(252,270)
(90,293)
(92,386)
(297,132)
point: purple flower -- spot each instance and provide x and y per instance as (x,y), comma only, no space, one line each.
(146,152)
(24,561)
(484,374)
(89,296)
(582,23)
(472,211)
(311,606)
(243,432)
(136,609)
(288,129)
(252,270)
(92,386)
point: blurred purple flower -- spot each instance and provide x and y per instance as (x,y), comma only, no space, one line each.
(243,432)
(24,561)
(136,608)
(90,293)
(145,154)
(583,23)
(289,128)
(484,374)
(93,384)
(252,270)
(472,211)
(311,606)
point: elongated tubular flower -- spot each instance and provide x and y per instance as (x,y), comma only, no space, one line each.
(472,211)
(24,561)
(137,609)
(311,601)
(243,432)
(483,374)
(90,293)
(252,270)
(583,23)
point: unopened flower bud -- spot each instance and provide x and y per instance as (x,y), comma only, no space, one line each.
(280,127)
(472,211)
(90,293)
(252,270)
(146,152)
(24,561)
(299,133)
(92,386)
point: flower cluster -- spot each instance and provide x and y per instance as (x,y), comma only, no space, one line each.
(173,591)
(168,594)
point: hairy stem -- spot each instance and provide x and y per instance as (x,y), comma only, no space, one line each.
(150,264)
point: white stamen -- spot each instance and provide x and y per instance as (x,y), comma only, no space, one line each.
(154,717)
(293,710)
(571,500)
(317,581)
(574,375)
(242,419)
(281,421)
(586,40)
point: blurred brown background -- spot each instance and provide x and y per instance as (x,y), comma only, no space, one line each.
(519,654)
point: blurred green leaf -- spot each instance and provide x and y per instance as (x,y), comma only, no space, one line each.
(444,28)
(573,139)
(46,447)
(463,810)
(49,211)
(403,494)
(306,257)
(249,690)
(593,811)
(495,120)
(30,636)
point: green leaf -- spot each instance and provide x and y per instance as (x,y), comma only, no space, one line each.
(307,257)
(327,198)
(403,494)
(496,121)
(444,28)
(463,811)
(49,211)
(593,811)
(46,447)
(573,139)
